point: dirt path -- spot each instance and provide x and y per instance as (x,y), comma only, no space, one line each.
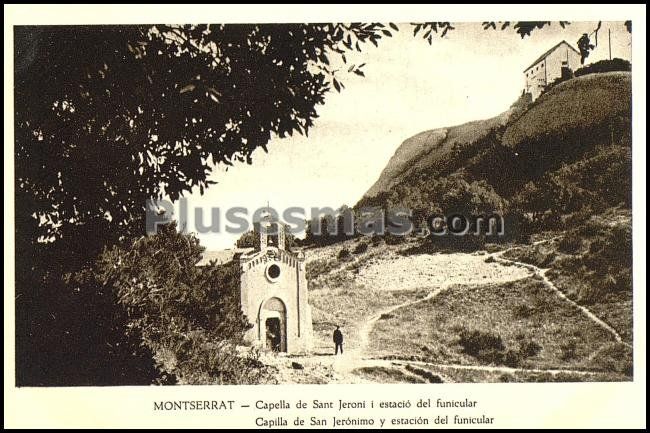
(357,356)
(499,270)
(456,269)
(542,274)
(364,333)
(488,368)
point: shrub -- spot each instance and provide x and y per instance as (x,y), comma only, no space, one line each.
(344,254)
(523,311)
(529,348)
(570,243)
(189,317)
(534,255)
(360,248)
(476,341)
(604,66)
(319,267)
(511,358)
(624,280)
(506,378)
(590,228)
(568,350)
(616,357)
(200,361)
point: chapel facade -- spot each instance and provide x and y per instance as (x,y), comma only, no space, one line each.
(274,293)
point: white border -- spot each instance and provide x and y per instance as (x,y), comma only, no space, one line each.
(514,405)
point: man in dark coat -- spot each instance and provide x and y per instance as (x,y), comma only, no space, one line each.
(338,341)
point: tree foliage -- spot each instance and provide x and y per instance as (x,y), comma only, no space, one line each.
(522,28)
(187,316)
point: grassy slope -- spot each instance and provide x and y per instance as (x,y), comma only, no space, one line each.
(577,113)
(525,310)
(591,264)
(584,101)
(337,299)
(519,311)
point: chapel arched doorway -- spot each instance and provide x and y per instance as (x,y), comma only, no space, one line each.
(273,321)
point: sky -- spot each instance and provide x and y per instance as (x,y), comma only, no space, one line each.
(409,87)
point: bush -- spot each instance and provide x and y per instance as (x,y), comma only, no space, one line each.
(344,254)
(523,311)
(529,348)
(511,358)
(319,267)
(506,378)
(360,248)
(536,255)
(604,66)
(189,317)
(201,361)
(615,357)
(476,341)
(570,243)
(569,350)
(489,348)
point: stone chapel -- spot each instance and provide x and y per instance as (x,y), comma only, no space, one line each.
(274,293)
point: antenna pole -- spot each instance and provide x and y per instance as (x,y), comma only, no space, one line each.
(609,35)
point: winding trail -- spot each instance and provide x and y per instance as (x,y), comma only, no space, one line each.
(488,368)
(344,365)
(364,332)
(542,274)
(366,329)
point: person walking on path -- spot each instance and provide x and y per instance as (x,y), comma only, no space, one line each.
(338,341)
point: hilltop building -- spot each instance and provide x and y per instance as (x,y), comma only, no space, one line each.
(557,62)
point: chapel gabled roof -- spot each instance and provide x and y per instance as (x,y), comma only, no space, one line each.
(547,53)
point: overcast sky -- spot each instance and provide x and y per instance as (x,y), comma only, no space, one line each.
(409,87)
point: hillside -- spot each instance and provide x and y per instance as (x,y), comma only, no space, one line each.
(585,102)
(430,147)
(455,317)
(522,144)
(550,301)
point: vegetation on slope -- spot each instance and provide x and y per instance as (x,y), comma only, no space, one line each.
(518,324)
(187,318)
(568,151)
(592,264)
(577,109)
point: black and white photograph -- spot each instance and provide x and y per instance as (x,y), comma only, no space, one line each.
(318,203)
